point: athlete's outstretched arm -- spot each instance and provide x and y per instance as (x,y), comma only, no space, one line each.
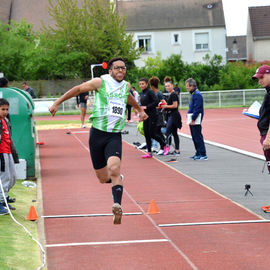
(91,85)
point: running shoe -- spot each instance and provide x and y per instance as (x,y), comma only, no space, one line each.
(117,213)
(10,200)
(3,210)
(160,152)
(176,154)
(200,157)
(9,206)
(147,155)
(166,150)
(142,146)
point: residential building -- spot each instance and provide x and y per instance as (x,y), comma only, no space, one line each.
(236,49)
(258,34)
(192,28)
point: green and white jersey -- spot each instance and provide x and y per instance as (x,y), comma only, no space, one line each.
(109,112)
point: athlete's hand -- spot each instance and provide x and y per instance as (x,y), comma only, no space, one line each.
(53,109)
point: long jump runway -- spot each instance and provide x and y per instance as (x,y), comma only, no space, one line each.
(196,228)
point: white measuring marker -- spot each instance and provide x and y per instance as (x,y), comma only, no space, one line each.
(215,223)
(90,215)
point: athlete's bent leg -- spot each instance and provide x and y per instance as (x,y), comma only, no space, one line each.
(103,175)
(117,187)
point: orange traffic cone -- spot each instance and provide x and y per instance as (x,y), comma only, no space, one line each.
(32,215)
(152,208)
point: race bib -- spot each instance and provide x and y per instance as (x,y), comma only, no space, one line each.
(116,108)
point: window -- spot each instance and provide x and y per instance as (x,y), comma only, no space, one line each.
(176,38)
(201,41)
(145,43)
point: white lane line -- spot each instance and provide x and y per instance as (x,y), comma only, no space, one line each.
(107,243)
(227,147)
(178,250)
(215,223)
(83,145)
(90,215)
(79,132)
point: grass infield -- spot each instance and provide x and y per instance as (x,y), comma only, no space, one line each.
(18,250)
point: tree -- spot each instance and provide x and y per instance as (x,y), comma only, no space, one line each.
(89,27)
(17,40)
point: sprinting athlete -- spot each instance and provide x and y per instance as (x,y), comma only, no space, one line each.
(108,119)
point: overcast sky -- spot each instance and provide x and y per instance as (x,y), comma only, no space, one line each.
(235,12)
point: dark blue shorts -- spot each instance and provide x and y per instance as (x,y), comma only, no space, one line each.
(103,145)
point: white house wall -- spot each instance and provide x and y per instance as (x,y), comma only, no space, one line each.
(162,42)
(262,52)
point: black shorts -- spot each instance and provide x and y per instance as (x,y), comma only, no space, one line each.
(103,145)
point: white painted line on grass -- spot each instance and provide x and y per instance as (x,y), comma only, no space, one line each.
(230,148)
(215,223)
(107,243)
(90,215)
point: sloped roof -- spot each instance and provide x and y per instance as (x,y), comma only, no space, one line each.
(5,6)
(171,14)
(260,21)
(33,11)
(236,44)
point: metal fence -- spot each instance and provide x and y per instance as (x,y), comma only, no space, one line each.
(226,98)
(218,99)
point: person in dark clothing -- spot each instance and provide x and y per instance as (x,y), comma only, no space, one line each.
(28,89)
(149,103)
(177,89)
(195,112)
(82,103)
(154,82)
(174,118)
(3,82)
(129,108)
(263,76)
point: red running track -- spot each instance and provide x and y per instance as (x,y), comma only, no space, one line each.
(70,187)
(229,127)
(225,126)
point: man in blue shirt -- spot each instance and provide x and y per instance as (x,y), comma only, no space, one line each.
(195,113)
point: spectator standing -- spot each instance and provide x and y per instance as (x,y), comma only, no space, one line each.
(28,89)
(3,82)
(149,103)
(174,120)
(136,96)
(154,82)
(263,76)
(8,156)
(177,89)
(129,107)
(196,112)
(81,100)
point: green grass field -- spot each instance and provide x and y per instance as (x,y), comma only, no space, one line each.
(17,250)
